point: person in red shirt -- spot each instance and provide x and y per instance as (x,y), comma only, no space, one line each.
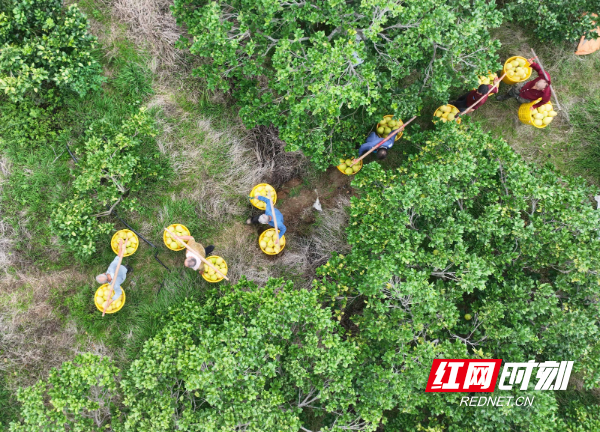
(532,90)
(480,94)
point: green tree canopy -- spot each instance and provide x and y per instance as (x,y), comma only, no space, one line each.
(77,397)
(321,70)
(467,227)
(257,359)
(43,47)
(557,20)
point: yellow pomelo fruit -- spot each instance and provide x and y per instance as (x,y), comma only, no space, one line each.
(450,117)
(219,261)
(211,271)
(269,233)
(380,130)
(270,243)
(214,277)
(552,113)
(123,235)
(438,113)
(454,110)
(206,268)
(383,120)
(445,115)
(509,66)
(343,167)
(537,122)
(355,168)
(269,249)
(547,120)
(515,64)
(538,116)
(263,244)
(174,245)
(224,270)
(277,249)
(534,111)
(349,171)
(387,130)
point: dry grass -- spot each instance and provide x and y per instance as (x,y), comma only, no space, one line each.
(33,338)
(152,27)
(7,257)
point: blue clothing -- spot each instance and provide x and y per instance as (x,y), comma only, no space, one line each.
(372,141)
(120,278)
(278,216)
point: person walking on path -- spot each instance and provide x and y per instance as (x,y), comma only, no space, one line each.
(109,275)
(191,261)
(532,90)
(372,141)
(266,218)
(466,100)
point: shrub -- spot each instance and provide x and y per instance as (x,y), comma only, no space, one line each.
(116,162)
(556,20)
(77,397)
(320,71)
(44,47)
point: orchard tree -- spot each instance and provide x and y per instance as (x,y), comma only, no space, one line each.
(80,396)
(115,162)
(466,251)
(255,359)
(43,48)
(557,20)
(322,70)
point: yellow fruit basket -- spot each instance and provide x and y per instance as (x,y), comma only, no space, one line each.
(265,240)
(209,274)
(511,81)
(132,244)
(262,189)
(345,164)
(390,117)
(526,115)
(102,295)
(180,230)
(441,111)
(487,80)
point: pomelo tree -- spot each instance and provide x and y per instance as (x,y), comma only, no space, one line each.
(115,162)
(257,359)
(45,49)
(557,20)
(323,71)
(466,227)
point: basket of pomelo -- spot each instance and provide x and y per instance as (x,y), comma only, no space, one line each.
(345,167)
(387,125)
(266,241)
(517,70)
(538,117)
(132,243)
(179,230)
(446,113)
(261,190)
(101,296)
(209,274)
(487,79)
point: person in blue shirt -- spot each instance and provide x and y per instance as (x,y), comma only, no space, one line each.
(267,217)
(109,275)
(372,141)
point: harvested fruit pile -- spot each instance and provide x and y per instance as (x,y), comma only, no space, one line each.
(103,294)
(132,243)
(543,115)
(488,80)
(209,274)
(267,244)
(517,69)
(387,125)
(446,113)
(261,190)
(345,167)
(179,230)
